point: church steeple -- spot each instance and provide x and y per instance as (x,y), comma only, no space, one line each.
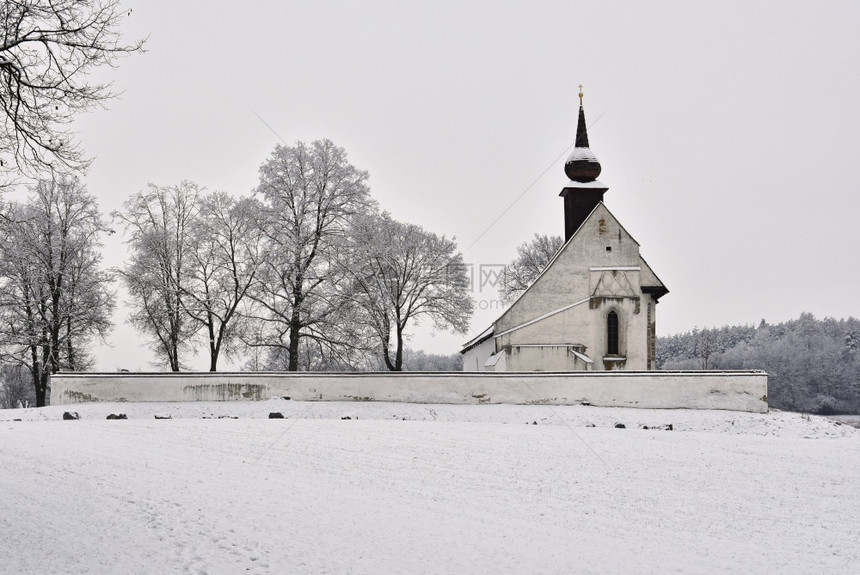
(581,129)
(583,192)
(582,164)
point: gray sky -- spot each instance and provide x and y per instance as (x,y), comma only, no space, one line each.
(727,132)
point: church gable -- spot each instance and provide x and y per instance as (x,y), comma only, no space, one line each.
(599,242)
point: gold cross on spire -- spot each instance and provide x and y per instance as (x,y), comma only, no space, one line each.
(580,95)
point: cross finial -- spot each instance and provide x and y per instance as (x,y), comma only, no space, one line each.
(580,95)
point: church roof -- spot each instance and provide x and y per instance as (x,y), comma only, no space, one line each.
(476,341)
(494,359)
(649,281)
(543,317)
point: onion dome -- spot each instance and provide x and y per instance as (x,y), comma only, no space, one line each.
(582,164)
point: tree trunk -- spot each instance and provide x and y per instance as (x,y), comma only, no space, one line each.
(295,321)
(38,386)
(386,355)
(176,329)
(40,396)
(172,347)
(42,390)
(213,349)
(70,350)
(41,372)
(174,356)
(398,358)
(294,343)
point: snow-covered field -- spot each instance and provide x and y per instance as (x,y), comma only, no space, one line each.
(401,488)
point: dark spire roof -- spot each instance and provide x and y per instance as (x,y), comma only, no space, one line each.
(582,164)
(581,130)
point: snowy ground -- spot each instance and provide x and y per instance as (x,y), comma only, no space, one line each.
(402,488)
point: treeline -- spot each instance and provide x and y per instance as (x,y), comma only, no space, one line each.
(305,273)
(813,365)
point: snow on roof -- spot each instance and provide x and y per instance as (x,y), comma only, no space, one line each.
(649,278)
(484,336)
(579,154)
(593,184)
(544,316)
(494,359)
(582,356)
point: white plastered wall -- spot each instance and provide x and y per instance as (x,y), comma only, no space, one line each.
(739,391)
(475,358)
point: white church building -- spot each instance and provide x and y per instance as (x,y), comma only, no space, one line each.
(593,307)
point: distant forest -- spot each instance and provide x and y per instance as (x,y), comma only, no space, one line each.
(813,365)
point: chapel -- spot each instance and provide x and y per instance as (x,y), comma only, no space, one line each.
(594,305)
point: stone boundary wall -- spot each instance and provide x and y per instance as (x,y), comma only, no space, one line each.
(731,390)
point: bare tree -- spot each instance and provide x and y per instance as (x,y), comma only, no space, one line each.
(312,193)
(224,251)
(55,298)
(404,274)
(704,347)
(15,388)
(532,258)
(48,51)
(420,360)
(159,222)
(87,289)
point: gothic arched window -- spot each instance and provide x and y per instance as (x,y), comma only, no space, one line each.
(612,333)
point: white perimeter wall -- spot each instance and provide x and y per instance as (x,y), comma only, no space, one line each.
(732,390)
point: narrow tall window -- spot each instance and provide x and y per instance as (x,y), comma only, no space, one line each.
(612,333)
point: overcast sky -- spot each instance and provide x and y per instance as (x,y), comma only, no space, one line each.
(727,133)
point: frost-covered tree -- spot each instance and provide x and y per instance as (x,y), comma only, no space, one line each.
(48,52)
(704,347)
(55,298)
(809,363)
(419,360)
(532,258)
(311,193)
(404,274)
(16,389)
(852,342)
(225,243)
(159,223)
